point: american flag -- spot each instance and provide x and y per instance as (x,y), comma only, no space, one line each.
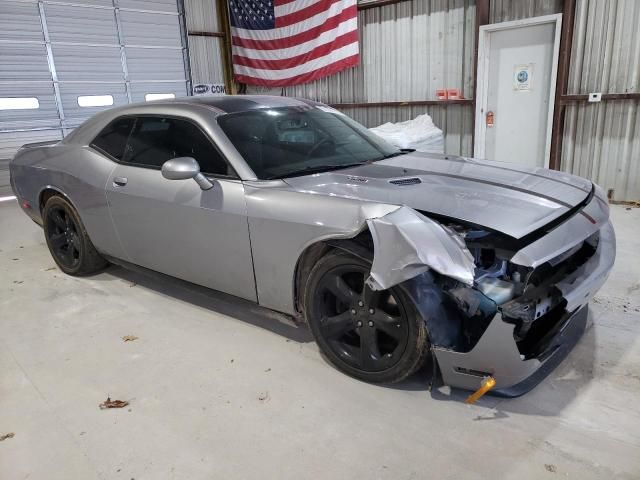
(280,43)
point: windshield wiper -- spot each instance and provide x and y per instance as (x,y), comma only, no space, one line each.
(316,169)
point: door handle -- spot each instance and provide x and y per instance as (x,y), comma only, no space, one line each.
(119,181)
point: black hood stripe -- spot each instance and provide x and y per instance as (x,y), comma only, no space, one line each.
(524,190)
(499,185)
(499,167)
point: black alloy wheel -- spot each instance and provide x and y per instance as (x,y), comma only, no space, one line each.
(63,237)
(67,239)
(373,335)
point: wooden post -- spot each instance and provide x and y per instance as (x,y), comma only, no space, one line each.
(564,61)
(223,20)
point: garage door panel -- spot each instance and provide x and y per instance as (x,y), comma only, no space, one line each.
(88,59)
(154,29)
(24,62)
(143,64)
(154,5)
(45,115)
(81,24)
(20,22)
(97,3)
(71,91)
(99,64)
(139,90)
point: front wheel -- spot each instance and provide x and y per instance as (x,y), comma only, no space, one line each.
(67,239)
(376,336)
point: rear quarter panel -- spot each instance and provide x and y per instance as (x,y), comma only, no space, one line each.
(77,172)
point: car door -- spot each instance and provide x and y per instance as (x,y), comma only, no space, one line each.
(173,226)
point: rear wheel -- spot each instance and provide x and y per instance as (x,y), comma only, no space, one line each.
(376,336)
(67,239)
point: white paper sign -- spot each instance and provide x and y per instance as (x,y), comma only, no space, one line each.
(522,77)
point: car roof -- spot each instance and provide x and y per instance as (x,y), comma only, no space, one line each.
(194,107)
(237,103)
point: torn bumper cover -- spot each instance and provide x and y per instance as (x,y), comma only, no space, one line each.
(518,366)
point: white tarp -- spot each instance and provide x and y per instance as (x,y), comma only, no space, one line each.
(420,134)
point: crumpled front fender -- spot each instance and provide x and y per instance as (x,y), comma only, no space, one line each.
(407,244)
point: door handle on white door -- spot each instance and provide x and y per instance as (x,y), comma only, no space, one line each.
(119,181)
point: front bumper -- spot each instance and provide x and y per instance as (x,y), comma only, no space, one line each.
(496,353)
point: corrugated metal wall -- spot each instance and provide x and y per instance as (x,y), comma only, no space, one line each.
(507,10)
(205,52)
(602,140)
(408,50)
(411,48)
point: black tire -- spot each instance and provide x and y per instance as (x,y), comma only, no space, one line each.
(67,239)
(385,346)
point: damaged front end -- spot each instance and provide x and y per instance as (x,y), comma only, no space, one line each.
(526,307)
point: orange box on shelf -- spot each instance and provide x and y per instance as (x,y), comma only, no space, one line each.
(453,94)
(441,94)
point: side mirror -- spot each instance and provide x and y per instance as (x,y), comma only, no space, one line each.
(184,168)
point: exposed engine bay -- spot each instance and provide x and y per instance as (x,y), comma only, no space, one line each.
(526,297)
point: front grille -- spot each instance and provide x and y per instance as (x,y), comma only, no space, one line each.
(564,264)
(540,310)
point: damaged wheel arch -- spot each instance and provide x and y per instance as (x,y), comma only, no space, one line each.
(400,245)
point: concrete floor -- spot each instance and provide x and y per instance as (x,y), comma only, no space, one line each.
(219,388)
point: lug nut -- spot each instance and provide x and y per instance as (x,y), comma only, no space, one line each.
(397,325)
(359,323)
(371,311)
(371,324)
(360,303)
(353,311)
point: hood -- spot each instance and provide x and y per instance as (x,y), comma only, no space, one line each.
(500,196)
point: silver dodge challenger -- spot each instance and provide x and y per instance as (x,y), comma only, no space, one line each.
(391,256)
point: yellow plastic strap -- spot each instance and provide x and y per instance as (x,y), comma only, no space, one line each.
(487,384)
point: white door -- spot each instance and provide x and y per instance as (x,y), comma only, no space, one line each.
(516,86)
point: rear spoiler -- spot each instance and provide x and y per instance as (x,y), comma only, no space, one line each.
(39,144)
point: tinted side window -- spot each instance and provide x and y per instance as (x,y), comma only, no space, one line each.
(113,138)
(155,140)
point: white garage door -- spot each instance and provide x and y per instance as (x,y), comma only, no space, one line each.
(61,62)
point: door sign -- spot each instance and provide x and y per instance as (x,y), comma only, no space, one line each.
(522,77)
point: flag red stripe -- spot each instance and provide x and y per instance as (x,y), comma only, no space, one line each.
(304,13)
(304,78)
(303,37)
(320,51)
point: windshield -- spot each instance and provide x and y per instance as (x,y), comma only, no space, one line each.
(290,141)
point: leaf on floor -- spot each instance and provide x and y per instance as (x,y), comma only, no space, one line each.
(49,269)
(7,435)
(264,397)
(129,338)
(108,403)
(550,467)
